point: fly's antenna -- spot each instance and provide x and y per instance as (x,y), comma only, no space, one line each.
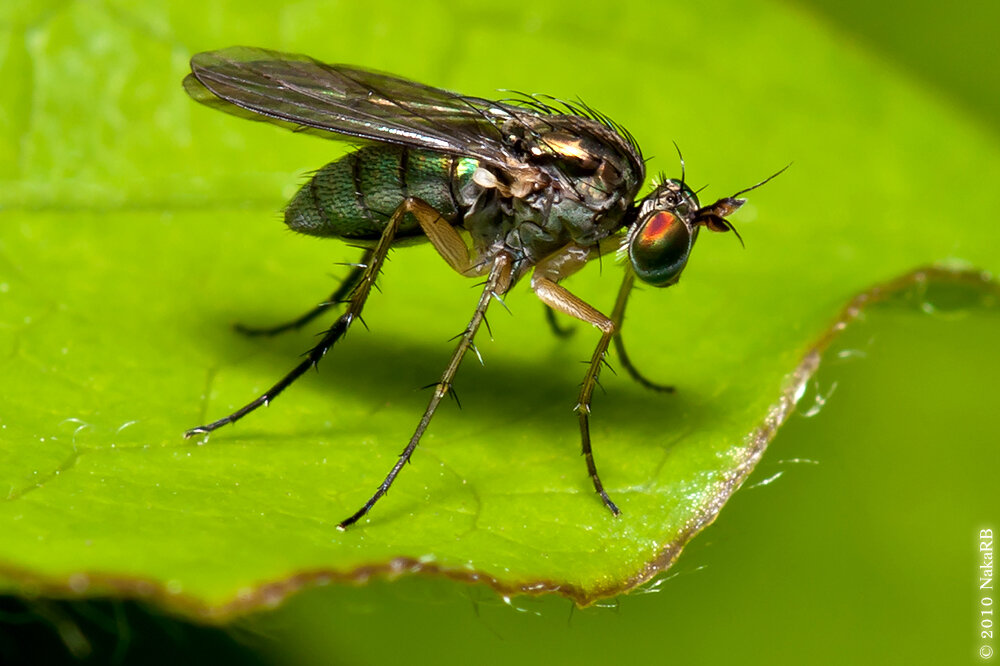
(769,178)
(714,216)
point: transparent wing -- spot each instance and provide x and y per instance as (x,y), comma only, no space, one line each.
(304,94)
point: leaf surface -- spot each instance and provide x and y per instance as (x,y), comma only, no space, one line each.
(136,227)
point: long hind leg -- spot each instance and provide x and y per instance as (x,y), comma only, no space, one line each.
(497,283)
(353,311)
(339,295)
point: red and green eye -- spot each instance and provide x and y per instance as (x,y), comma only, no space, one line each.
(659,249)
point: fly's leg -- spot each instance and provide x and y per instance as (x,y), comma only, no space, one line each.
(438,230)
(342,292)
(547,273)
(496,284)
(557,330)
(447,241)
(353,311)
(618,315)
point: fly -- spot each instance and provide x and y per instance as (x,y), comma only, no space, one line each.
(501,189)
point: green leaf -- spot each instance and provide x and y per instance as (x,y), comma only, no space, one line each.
(136,227)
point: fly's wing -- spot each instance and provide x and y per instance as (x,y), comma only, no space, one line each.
(304,94)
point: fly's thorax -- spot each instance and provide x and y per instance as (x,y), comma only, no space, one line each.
(355,196)
(534,227)
(557,210)
(573,182)
(594,157)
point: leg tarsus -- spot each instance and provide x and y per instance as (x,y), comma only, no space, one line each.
(634,373)
(498,281)
(338,296)
(618,315)
(555,327)
(591,467)
(293,325)
(356,303)
(312,359)
(583,410)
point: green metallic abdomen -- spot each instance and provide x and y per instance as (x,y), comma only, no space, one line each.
(355,196)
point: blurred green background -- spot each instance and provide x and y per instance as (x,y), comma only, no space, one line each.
(853,541)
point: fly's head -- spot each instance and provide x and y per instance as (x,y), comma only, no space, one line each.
(659,242)
(668,221)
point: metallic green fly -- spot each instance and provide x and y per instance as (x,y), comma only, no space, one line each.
(499,188)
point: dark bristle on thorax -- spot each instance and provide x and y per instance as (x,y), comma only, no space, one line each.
(553,106)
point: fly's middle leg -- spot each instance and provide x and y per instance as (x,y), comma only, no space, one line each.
(355,305)
(544,283)
(497,283)
(341,293)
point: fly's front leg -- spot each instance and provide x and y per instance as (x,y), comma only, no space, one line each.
(547,273)
(618,315)
(556,328)
(338,296)
(354,307)
(497,283)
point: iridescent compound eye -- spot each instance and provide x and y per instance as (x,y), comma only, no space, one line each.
(659,249)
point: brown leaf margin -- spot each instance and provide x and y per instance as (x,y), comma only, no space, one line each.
(269,594)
